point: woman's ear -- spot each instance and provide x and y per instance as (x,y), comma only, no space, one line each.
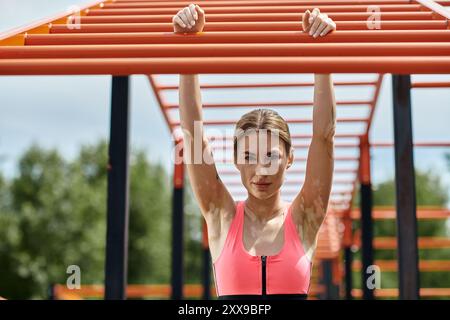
(235,163)
(290,158)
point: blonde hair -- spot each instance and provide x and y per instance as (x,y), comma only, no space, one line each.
(262,119)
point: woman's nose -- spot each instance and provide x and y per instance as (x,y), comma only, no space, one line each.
(266,168)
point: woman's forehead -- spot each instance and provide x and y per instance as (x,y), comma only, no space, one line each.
(259,139)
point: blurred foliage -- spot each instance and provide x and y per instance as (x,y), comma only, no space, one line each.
(53,214)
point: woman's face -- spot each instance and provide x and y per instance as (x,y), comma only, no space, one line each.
(262,159)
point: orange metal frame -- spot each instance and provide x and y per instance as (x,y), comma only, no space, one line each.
(131,37)
(141,291)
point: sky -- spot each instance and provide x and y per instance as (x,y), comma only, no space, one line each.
(65,112)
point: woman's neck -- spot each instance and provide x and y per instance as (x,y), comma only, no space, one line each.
(265,209)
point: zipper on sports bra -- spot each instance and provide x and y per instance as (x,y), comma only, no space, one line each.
(263,260)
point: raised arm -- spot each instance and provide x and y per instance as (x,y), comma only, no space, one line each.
(310,205)
(209,190)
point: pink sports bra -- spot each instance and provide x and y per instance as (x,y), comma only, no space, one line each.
(237,273)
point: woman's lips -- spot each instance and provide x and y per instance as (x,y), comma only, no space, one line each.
(262,185)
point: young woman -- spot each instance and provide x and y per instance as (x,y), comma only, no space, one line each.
(261,247)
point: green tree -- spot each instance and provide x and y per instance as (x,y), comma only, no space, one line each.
(193,237)
(149,226)
(54,220)
(53,214)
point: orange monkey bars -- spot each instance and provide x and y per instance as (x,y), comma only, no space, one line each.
(422,213)
(129,37)
(61,292)
(122,38)
(116,9)
(397,65)
(237,50)
(244,26)
(424,243)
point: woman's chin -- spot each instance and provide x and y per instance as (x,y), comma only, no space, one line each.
(261,194)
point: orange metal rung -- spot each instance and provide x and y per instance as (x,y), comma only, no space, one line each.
(260,3)
(399,65)
(389,213)
(208,3)
(266,85)
(392,265)
(239,37)
(436,84)
(255,9)
(291,121)
(143,291)
(264,17)
(225,50)
(243,26)
(423,242)
(388,293)
(273,104)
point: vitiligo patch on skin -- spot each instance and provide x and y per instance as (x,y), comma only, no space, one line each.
(213,210)
(216,222)
(214,213)
(311,220)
